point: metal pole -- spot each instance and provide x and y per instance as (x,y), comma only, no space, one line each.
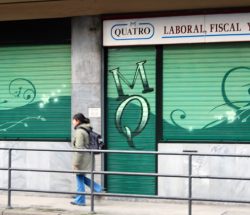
(9,178)
(190,185)
(92,183)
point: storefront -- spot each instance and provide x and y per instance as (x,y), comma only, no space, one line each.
(170,83)
(180,80)
(35,71)
(50,70)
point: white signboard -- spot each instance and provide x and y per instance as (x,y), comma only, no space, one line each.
(178,29)
(94,112)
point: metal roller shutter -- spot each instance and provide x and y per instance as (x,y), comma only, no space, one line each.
(131,117)
(35,88)
(206,90)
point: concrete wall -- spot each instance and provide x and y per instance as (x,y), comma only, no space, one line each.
(86,93)
(206,166)
(86,66)
(37,160)
(34,9)
(86,70)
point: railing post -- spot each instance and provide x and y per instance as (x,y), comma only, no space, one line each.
(92,182)
(9,177)
(189,184)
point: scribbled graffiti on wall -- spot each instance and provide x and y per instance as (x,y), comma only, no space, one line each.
(23,89)
(22,92)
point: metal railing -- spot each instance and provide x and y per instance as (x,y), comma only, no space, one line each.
(189,176)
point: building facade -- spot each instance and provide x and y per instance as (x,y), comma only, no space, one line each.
(168,77)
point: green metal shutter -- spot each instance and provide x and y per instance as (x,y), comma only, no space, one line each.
(206,91)
(35,88)
(131,118)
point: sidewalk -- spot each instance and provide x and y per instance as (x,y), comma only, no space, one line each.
(36,205)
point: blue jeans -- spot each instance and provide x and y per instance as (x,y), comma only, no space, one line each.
(81,180)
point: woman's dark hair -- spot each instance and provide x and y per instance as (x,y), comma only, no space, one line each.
(81,118)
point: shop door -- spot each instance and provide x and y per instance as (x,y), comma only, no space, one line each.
(130,118)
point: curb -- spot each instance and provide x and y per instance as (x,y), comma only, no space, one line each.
(23,212)
(32,211)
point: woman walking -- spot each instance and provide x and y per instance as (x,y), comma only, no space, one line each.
(82,160)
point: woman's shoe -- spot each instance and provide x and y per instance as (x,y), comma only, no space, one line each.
(73,203)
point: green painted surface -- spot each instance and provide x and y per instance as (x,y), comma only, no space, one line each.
(131,118)
(206,92)
(35,101)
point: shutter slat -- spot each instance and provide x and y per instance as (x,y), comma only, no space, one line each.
(35,89)
(194,107)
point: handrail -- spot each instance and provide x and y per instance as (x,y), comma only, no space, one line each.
(189,176)
(125,152)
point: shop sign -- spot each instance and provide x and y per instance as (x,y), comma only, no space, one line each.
(178,29)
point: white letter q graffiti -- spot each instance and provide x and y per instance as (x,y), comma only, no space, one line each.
(143,119)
